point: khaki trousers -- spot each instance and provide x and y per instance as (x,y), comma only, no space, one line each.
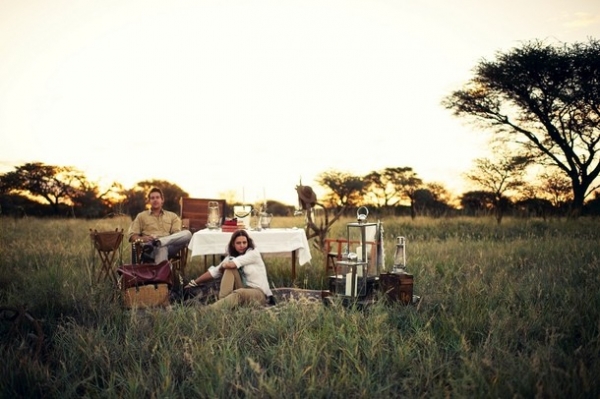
(233,293)
(170,245)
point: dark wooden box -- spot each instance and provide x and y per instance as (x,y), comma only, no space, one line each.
(398,287)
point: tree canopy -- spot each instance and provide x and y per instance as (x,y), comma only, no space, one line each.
(53,184)
(547,99)
(498,176)
(68,192)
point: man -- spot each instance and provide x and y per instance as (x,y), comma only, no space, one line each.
(159,230)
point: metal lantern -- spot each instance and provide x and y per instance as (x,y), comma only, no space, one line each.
(400,255)
(361,214)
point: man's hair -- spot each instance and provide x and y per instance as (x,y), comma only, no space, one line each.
(156,190)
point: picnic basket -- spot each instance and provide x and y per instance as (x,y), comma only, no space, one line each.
(146,296)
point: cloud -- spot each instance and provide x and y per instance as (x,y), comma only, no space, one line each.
(581,20)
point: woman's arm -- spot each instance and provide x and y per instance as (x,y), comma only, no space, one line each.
(251,256)
(228,264)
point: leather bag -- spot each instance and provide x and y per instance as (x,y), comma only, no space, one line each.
(136,275)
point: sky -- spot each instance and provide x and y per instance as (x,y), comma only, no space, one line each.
(246,98)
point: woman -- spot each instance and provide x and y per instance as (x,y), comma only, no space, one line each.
(244,275)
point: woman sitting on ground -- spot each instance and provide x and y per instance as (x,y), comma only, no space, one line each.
(243,274)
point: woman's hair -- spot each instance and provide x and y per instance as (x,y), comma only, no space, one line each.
(231,247)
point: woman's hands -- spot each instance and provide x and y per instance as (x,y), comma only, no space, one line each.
(228,264)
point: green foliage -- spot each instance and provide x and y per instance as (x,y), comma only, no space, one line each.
(504,311)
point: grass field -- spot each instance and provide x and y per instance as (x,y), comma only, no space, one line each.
(505,311)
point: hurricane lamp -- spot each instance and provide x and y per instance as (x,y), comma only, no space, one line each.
(214,215)
(400,255)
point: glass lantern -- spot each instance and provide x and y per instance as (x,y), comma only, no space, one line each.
(214,215)
(400,256)
(265,220)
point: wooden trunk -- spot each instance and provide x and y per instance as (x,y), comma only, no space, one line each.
(398,287)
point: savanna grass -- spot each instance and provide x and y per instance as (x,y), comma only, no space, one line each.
(504,311)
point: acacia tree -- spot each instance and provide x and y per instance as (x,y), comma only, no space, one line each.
(54,184)
(392,185)
(406,183)
(88,201)
(381,189)
(498,177)
(477,202)
(546,98)
(433,200)
(344,189)
(556,187)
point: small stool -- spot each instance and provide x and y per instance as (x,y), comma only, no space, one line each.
(107,243)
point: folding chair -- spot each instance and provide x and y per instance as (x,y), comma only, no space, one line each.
(179,261)
(107,243)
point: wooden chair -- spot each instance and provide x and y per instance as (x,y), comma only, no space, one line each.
(336,247)
(194,214)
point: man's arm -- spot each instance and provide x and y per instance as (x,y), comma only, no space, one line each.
(176,224)
(135,231)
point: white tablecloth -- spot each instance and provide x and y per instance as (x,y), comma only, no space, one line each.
(210,242)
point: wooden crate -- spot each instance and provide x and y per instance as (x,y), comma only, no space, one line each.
(398,287)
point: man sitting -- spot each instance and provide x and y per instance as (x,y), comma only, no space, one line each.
(159,230)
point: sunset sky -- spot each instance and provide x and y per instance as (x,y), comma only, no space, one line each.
(247,97)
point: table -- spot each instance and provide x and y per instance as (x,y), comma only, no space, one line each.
(212,242)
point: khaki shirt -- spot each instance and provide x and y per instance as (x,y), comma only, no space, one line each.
(162,225)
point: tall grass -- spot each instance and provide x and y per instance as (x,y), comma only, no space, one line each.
(505,311)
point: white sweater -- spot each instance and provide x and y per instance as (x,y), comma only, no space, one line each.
(252,265)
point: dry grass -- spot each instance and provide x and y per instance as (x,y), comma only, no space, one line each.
(505,311)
